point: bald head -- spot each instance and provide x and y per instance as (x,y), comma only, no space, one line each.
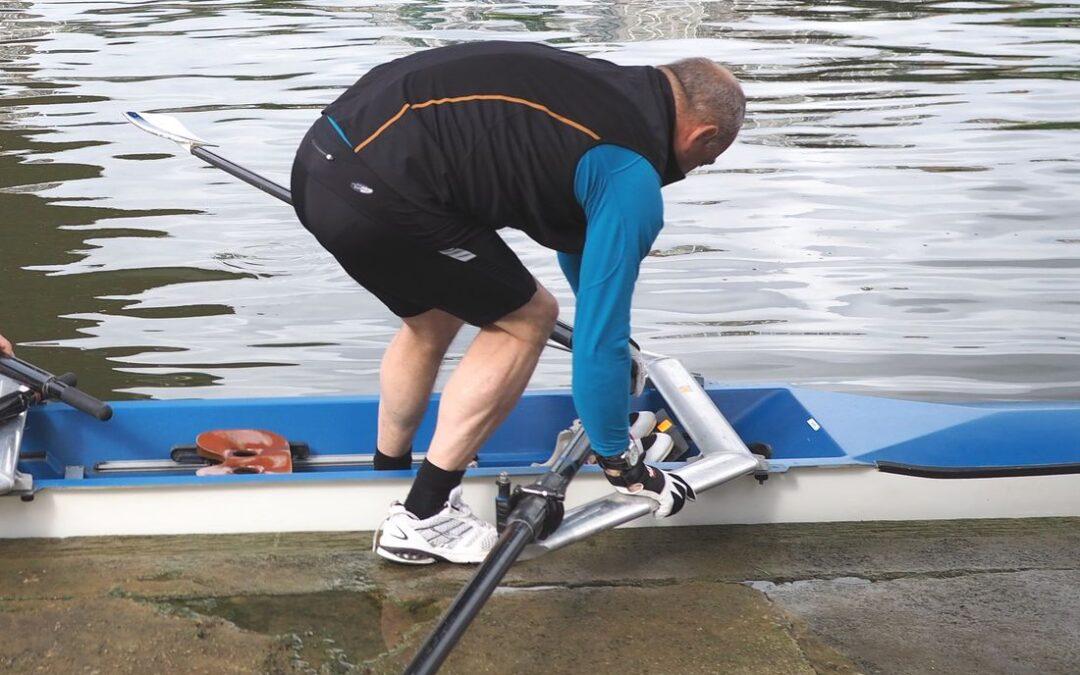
(710,106)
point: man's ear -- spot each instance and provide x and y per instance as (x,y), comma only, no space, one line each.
(704,134)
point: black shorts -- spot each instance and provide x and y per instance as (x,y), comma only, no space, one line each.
(413,257)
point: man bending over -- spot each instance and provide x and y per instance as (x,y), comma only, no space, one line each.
(405,179)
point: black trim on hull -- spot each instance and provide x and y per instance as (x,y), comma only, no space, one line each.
(954,472)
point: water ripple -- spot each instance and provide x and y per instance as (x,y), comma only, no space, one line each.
(899,215)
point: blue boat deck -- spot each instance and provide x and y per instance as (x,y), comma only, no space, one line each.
(804,428)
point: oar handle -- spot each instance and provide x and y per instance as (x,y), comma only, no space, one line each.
(52,386)
(80,400)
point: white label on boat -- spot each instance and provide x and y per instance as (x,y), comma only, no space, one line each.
(813,424)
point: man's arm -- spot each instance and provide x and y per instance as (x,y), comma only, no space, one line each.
(620,192)
(5,347)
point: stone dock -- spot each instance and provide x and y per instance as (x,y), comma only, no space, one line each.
(950,597)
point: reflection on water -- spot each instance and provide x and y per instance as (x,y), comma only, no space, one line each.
(900,215)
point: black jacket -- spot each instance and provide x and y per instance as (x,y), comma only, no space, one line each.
(493,131)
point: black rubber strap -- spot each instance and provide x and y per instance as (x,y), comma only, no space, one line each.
(955,472)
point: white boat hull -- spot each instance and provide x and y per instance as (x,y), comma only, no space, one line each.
(825,494)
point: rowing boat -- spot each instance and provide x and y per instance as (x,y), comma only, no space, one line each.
(784,454)
(831,457)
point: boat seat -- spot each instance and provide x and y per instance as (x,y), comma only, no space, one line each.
(244,451)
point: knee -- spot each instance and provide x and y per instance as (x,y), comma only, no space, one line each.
(434,330)
(544,313)
(533,322)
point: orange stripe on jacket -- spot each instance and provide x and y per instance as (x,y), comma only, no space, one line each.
(476,97)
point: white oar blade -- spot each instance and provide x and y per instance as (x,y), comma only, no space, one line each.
(165,126)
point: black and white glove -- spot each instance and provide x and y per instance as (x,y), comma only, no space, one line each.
(630,475)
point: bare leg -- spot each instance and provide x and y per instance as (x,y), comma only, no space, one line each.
(489,380)
(407,376)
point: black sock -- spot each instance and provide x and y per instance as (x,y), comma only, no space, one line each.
(431,489)
(387,463)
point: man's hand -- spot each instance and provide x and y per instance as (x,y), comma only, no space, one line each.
(5,347)
(630,475)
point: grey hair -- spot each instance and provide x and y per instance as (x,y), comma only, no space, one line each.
(713,95)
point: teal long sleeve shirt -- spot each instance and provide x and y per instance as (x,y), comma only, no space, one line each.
(620,193)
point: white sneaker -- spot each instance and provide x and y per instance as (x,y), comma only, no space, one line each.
(642,423)
(453,535)
(657,446)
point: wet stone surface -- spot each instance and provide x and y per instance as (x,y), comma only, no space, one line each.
(997,622)
(327,630)
(957,597)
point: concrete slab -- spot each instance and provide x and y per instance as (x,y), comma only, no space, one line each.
(996,622)
(986,596)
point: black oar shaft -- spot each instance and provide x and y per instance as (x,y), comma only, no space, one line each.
(471,600)
(250,177)
(563,335)
(24,372)
(522,526)
(52,386)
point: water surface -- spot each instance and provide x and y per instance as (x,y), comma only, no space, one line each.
(900,216)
